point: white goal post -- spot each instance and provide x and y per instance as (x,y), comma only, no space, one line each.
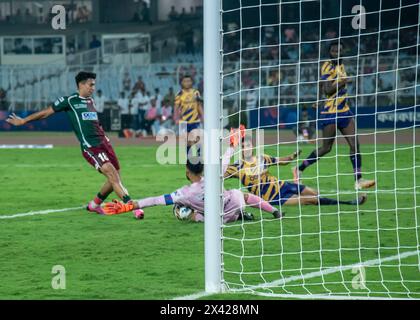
(212,145)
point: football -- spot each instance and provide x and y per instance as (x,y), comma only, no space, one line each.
(182,212)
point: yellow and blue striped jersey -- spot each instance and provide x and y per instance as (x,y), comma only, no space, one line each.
(255,177)
(188,101)
(337,102)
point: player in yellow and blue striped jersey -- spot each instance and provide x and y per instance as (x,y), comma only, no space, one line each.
(189,110)
(253,172)
(335,114)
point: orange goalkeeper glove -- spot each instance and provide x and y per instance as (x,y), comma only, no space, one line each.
(236,135)
(118,207)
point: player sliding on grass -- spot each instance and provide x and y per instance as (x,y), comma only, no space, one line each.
(253,173)
(336,114)
(192,196)
(96,147)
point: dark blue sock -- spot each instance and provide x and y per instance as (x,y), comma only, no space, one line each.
(356,162)
(309,160)
(327,201)
(331,202)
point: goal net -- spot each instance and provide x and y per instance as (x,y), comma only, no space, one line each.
(275,81)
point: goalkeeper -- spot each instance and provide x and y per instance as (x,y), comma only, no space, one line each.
(254,175)
(192,196)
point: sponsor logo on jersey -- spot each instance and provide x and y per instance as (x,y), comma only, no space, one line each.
(89,116)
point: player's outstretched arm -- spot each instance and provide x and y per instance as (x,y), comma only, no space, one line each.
(283,161)
(118,207)
(153,201)
(18,121)
(226,158)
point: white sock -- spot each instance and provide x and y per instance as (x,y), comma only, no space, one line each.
(93,204)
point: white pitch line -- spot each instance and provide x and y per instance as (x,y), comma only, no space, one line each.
(26,146)
(193,296)
(309,276)
(341,192)
(326,297)
(63,165)
(34,213)
(331,270)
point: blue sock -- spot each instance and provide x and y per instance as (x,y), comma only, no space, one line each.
(356,162)
(327,201)
(331,202)
(312,158)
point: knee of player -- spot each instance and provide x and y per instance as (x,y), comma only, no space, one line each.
(314,200)
(309,200)
(109,170)
(310,192)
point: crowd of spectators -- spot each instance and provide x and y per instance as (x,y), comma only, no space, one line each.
(270,45)
(76,13)
(291,69)
(193,13)
(142,14)
(144,113)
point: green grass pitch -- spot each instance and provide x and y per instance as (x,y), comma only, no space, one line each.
(162,258)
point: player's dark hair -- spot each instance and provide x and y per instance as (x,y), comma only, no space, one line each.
(83,76)
(334,43)
(195,165)
(186,76)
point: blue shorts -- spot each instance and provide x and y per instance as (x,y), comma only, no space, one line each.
(287,191)
(189,127)
(192,126)
(341,120)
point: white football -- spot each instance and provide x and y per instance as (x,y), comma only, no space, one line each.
(182,212)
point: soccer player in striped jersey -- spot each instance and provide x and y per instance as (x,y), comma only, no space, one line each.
(189,111)
(336,114)
(253,174)
(95,145)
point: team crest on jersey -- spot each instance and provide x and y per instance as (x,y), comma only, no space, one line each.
(89,116)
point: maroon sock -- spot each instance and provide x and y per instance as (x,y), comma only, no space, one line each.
(97,201)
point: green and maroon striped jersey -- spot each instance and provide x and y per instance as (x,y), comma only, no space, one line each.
(83,117)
